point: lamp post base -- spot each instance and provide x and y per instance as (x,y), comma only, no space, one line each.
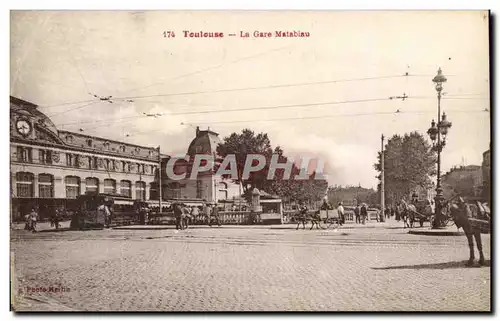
(439,222)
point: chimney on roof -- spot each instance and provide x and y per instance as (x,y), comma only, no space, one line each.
(197,131)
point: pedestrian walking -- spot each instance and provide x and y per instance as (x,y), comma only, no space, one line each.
(207,211)
(178,216)
(397,212)
(340,211)
(27,222)
(356,214)
(214,216)
(33,218)
(104,209)
(387,213)
(56,218)
(195,212)
(186,216)
(364,213)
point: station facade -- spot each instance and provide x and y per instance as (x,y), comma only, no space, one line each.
(49,168)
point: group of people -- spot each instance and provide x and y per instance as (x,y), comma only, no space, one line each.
(360,214)
(31,219)
(185,215)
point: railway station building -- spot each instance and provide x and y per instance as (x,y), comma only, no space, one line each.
(49,167)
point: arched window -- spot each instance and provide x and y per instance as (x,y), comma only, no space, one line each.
(109,186)
(222,191)
(45,186)
(89,142)
(24,184)
(92,185)
(125,188)
(140,190)
(72,186)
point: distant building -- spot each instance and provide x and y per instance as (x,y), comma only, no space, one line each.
(49,167)
(351,195)
(463,180)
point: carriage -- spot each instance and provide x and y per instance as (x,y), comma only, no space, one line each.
(424,212)
(480,213)
(329,219)
(325,218)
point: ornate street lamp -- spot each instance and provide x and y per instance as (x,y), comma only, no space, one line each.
(437,134)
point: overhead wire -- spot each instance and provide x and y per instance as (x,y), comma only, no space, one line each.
(130,118)
(309,117)
(73,109)
(242,89)
(335,116)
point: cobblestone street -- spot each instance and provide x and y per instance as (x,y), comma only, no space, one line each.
(381,268)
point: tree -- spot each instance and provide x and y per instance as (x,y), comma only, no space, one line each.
(246,143)
(242,145)
(409,163)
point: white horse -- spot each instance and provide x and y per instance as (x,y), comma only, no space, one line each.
(408,214)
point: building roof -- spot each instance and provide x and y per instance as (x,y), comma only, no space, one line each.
(80,140)
(205,142)
(29,109)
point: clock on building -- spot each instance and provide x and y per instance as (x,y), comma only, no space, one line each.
(23,127)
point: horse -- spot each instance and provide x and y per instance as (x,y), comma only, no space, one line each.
(315,220)
(460,215)
(303,217)
(300,217)
(408,214)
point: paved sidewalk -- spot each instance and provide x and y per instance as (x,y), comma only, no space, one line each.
(355,268)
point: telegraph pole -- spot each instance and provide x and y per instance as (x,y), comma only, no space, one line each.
(159,178)
(382,181)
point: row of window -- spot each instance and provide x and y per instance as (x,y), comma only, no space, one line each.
(25,186)
(25,155)
(107,145)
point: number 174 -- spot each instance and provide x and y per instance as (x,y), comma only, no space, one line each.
(168,34)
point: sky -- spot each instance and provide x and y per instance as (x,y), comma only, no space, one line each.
(354,61)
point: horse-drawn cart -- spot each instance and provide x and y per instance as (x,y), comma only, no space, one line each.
(329,219)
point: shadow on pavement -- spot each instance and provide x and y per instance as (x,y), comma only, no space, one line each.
(63,229)
(433,266)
